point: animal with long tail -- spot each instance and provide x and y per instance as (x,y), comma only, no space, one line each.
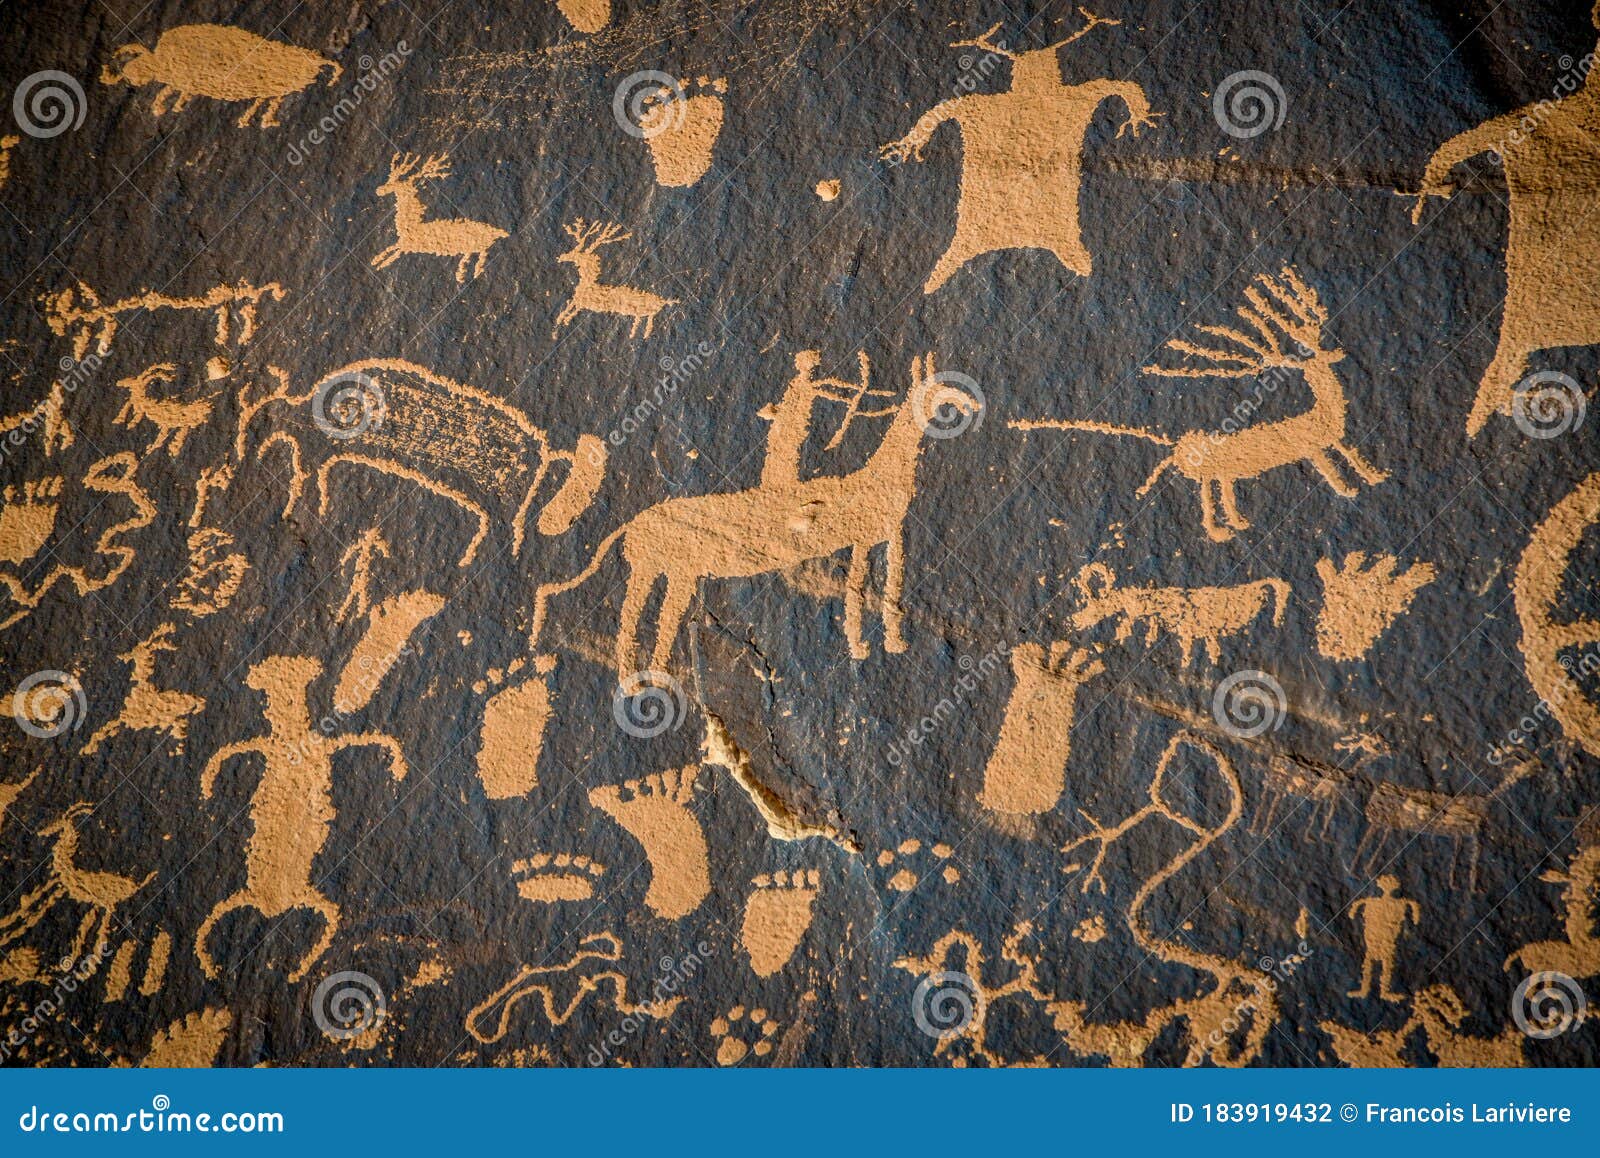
(1285,319)
(772,527)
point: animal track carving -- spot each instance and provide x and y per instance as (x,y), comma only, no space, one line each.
(776,918)
(28,518)
(681,127)
(546,878)
(1361,599)
(655,811)
(222,63)
(1027,772)
(905,877)
(740,1034)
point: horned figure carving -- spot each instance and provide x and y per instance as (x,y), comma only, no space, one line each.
(457,237)
(1282,319)
(775,526)
(399,419)
(592,296)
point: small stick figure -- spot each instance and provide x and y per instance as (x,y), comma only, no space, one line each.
(1383,918)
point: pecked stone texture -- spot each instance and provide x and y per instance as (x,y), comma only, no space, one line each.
(831,533)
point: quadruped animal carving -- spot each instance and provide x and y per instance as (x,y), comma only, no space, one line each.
(146,707)
(400,419)
(1192,614)
(67,881)
(1285,318)
(773,527)
(590,295)
(78,313)
(457,237)
(173,420)
(292,808)
(221,63)
(1022,155)
(1548,152)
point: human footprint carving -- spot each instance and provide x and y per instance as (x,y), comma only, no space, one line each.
(905,878)
(546,878)
(1361,598)
(681,125)
(28,518)
(1027,772)
(740,1033)
(586,15)
(654,810)
(777,916)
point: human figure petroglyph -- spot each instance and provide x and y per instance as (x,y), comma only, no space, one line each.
(1549,152)
(590,295)
(222,63)
(654,810)
(173,420)
(77,312)
(790,416)
(292,808)
(1578,955)
(67,882)
(562,989)
(458,442)
(459,237)
(1286,318)
(1361,598)
(1027,771)
(1022,155)
(112,475)
(358,558)
(146,707)
(771,528)
(1537,590)
(1383,919)
(1192,614)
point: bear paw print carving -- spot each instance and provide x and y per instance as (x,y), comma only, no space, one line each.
(909,862)
(739,1034)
